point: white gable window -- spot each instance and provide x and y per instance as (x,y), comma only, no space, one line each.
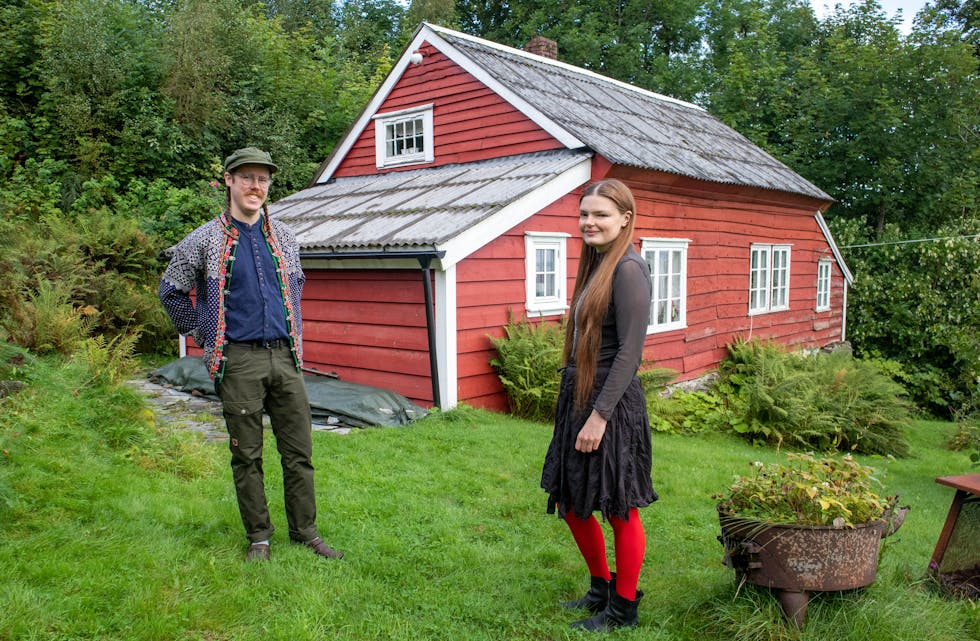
(823,285)
(546,275)
(667,258)
(403,137)
(768,278)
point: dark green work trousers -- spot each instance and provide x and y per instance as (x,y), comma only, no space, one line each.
(258,379)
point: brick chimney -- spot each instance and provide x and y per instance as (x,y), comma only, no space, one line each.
(544,47)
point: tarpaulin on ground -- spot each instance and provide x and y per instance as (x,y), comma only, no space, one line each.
(351,403)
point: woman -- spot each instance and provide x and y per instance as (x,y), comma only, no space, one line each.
(599,457)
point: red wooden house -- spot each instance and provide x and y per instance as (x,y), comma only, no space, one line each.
(452,203)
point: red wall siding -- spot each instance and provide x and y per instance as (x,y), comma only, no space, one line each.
(470,122)
(368,326)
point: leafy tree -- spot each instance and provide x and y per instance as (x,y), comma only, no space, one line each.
(441,12)
(960,15)
(857,109)
(98,62)
(653,44)
(918,303)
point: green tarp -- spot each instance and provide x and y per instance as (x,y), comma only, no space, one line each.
(351,403)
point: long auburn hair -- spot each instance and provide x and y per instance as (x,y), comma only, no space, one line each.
(593,289)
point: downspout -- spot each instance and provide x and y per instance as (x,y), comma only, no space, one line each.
(430,326)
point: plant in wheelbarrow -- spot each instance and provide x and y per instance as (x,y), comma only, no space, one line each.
(809,525)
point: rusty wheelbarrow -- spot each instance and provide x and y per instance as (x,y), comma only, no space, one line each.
(795,560)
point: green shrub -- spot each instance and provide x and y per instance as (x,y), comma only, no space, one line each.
(49,321)
(919,303)
(527,363)
(823,401)
(109,362)
(91,271)
(167,212)
(699,411)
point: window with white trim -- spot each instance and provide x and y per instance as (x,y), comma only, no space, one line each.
(667,258)
(546,281)
(768,278)
(403,137)
(823,285)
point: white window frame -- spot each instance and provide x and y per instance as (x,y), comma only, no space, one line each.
(421,114)
(555,302)
(824,266)
(669,287)
(769,274)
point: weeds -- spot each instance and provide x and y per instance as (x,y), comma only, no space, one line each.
(527,363)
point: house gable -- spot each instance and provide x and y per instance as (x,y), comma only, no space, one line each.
(474,117)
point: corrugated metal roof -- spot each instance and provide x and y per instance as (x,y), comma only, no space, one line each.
(631,126)
(414,210)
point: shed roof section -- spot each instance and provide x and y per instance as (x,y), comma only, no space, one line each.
(416,210)
(628,125)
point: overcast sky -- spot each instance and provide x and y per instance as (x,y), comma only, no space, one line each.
(909,9)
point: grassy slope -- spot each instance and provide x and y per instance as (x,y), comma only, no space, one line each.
(445,534)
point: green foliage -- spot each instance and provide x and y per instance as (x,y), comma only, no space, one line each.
(919,304)
(47,321)
(698,412)
(854,106)
(654,44)
(823,401)
(527,363)
(91,270)
(109,362)
(806,491)
(167,213)
(662,411)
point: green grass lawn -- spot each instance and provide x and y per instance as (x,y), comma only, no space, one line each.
(445,534)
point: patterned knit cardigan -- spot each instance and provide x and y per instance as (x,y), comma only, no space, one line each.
(202,261)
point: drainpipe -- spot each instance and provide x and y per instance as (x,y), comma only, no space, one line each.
(430,326)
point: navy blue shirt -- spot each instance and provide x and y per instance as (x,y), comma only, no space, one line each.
(254,310)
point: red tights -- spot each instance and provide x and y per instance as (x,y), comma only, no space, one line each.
(630,543)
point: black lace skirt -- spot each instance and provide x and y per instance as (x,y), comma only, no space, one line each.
(613,479)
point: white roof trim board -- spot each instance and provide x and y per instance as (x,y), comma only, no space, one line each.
(833,247)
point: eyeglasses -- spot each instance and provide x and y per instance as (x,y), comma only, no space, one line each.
(248,179)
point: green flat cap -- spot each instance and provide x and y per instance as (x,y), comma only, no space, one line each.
(249,156)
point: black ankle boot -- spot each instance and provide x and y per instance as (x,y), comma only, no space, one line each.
(595,600)
(619,613)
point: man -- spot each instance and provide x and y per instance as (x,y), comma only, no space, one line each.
(246,271)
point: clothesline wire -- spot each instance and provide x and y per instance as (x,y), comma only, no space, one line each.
(906,242)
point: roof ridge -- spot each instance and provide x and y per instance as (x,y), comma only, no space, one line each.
(445,31)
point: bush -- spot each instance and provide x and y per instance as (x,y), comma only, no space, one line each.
(90,271)
(817,401)
(527,363)
(919,304)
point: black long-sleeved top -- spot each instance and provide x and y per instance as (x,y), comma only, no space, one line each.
(624,329)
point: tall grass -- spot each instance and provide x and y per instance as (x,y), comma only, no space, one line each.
(443,525)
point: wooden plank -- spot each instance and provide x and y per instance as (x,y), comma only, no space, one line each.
(367,335)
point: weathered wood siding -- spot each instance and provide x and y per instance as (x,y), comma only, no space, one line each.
(470,122)
(368,326)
